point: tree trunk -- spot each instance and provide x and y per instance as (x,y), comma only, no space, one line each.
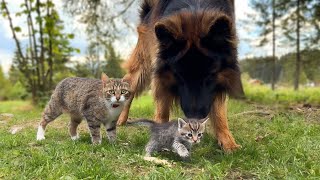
(297,74)
(28,5)
(273,73)
(50,54)
(43,80)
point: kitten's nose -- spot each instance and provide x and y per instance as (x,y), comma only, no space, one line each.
(194,139)
(118,98)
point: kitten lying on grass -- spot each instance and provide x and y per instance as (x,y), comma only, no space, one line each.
(98,101)
(177,136)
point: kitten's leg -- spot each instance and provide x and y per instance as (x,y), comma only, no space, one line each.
(74,123)
(181,150)
(162,97)
(94,128)
(219,122)
(151,147)
(111,128)
(50,113)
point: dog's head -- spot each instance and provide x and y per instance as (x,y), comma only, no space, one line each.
(200,50)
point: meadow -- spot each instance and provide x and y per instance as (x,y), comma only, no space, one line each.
(278,142)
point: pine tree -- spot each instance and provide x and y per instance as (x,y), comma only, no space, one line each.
(266,21)
(113,68)
(300,23)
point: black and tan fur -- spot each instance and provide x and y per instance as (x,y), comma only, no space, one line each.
(187,51)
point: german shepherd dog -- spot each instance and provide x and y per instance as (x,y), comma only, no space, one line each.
(187,51)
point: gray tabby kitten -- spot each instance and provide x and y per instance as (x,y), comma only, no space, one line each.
(177,136)
(98,101)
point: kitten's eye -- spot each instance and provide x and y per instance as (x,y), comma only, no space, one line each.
(189,135)
(200,134)
(111,91)
(124,91)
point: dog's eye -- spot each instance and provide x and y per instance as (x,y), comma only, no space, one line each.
(124,91)
(111,91)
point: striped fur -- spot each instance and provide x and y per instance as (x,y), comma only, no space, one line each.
(98,101)
(178,136)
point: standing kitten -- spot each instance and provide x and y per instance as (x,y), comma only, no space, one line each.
(98,101)
(177,136)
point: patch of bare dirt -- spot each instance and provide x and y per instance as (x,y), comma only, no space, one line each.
(6,116)
(238,174)
(310,113)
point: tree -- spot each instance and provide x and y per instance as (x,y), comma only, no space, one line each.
(104,19)
(94,66)
(47,47)
(266,21)
(113,68)
(300,23)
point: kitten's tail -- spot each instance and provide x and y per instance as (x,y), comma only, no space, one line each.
(141,122)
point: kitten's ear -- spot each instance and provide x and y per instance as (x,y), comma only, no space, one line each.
(104,78)
(126,79)
(204,120)
(181,123)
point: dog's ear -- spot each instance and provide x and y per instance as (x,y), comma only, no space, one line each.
(169,43)
(164,35)
(220,35)
(230,80)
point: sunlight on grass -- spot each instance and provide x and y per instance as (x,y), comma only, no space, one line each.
(264,94)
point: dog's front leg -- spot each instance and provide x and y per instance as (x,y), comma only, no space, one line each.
(163,99)
(219,121)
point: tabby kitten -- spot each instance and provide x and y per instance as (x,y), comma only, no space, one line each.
(98,101)
(177,136)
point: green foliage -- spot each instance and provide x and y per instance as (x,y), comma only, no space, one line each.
(284,146)
(11,90)
(47,50)
(286,96)
(5,86)
(93,67)
(18,91)
(261,67)
(113,68)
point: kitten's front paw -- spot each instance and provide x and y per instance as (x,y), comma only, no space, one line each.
(184,154)
(186,159)
(40,138)
(74,138)
(96,141)
(40,134)
(112,139)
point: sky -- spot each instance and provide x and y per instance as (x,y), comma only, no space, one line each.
(124,47)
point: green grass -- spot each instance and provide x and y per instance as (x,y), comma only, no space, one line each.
(283,145)
(287,96)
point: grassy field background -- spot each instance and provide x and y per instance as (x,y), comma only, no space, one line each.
(278,141)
